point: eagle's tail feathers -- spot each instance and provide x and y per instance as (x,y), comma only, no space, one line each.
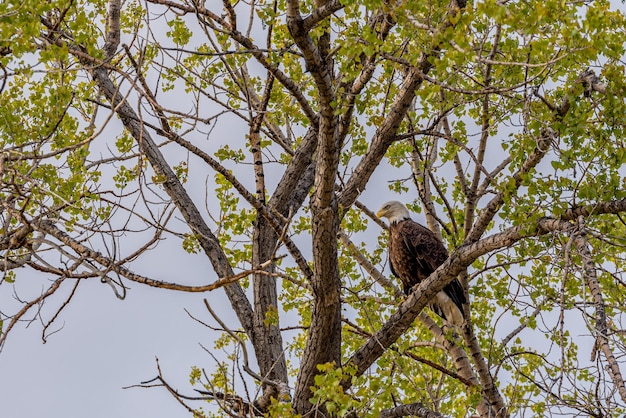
(445,307)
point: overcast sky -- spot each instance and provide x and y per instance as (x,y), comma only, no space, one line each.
(106,344)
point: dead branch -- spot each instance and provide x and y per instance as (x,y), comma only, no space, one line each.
(18,316)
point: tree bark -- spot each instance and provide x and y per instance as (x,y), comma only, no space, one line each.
(324,339)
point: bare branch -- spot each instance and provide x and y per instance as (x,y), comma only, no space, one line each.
(18,316)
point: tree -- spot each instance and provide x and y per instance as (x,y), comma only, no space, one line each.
(501,122)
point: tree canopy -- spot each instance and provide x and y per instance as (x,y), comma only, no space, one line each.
(263,134)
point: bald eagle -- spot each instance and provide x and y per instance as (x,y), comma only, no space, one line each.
(414,253)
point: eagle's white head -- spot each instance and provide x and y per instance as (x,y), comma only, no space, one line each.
(394,211)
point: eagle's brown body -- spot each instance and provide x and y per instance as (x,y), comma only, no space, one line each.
(414,253)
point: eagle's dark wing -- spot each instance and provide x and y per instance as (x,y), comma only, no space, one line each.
(423,245)
(414,253)
(426,250)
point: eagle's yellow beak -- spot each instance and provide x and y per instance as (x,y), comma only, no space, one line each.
(380,213)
